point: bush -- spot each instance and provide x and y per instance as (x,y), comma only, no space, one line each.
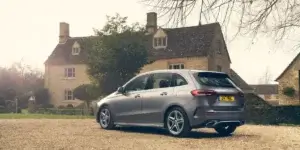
(46,106)
(86,92)
(258,111)
(2,101)
(3,109)
(57,111)
(288,114)
(289,91)
(42,96)
(23,101)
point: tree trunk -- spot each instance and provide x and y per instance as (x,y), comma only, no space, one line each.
(87,108)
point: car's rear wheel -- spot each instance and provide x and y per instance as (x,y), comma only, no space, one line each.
(225,130)
(105,118)
(177,122)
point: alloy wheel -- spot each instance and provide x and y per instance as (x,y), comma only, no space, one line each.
(104,117)
(175,122)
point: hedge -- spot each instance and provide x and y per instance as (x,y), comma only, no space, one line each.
(66,111)
(258,111)
(9,110)
(288,114)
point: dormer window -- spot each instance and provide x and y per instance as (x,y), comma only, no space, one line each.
(76,49)
(160,42)
(160,39)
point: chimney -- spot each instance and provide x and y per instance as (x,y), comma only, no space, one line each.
(151,25)
(63,32)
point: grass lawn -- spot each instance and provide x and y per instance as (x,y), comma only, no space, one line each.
(42,116)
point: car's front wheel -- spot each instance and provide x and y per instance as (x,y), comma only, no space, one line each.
(177,122)
(225,130)
(105,118)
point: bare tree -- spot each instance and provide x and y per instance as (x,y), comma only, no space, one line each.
(266,77)
(276,17)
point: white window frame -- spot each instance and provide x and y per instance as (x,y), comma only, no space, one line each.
(180,66)
(69,72)
(75,50)
(68,95)
(158,42)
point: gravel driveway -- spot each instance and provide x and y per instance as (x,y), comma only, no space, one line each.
(86,134)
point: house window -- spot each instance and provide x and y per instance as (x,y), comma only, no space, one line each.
(75,50)
(219,68)
(69,95)
(160,42)
(69,72)
(176,66)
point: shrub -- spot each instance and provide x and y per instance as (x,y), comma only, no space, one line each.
(46,106)
(258,111)
(289,91)
(86,93)
(2,101)
(288,114)
(23,101)
(58,111)
(42,96)
(3,109)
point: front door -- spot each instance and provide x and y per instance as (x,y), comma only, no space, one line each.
(128,106)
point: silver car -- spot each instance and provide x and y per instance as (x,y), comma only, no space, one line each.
(177,100)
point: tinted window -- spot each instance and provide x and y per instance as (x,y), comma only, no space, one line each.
(160,80)
(213,79)
(178,80)
(137,84)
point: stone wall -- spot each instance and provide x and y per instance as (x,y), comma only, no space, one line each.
(289,79)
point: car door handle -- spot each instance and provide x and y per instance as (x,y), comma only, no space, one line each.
(137,96)
(163,93)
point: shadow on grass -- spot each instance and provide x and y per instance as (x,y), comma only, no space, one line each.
(193,134)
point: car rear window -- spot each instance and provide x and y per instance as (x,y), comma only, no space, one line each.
(213,79)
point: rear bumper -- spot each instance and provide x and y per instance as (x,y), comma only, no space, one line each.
(212,118)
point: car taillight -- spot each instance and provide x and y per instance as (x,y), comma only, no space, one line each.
(203,92)
(241,94)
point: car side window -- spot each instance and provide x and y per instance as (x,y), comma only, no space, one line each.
(137,84)
(178,80)
(160,80)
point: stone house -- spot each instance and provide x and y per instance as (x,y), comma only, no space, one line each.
(290,78)
(196,47)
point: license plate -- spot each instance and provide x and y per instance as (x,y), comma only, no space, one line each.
(226,98)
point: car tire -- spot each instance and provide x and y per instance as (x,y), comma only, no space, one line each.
(225,130)
(106,118)
(179,123)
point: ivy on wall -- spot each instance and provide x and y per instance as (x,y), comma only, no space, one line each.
(289,91)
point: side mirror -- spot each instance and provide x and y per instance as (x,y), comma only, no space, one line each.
(120,90)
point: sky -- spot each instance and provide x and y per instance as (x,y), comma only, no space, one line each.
(29,33)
